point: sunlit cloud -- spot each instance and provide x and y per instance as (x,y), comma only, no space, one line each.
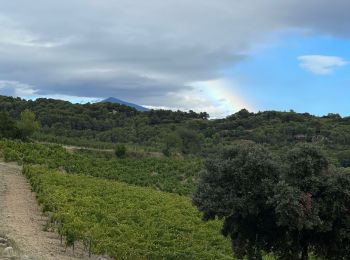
(321,64)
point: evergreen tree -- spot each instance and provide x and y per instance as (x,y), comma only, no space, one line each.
(290,206)
(27,124)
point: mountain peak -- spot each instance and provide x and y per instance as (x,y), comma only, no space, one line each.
(121,102)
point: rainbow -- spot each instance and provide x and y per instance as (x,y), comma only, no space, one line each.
(223,94)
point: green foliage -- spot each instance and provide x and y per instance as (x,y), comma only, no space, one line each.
(190,141)
(27,124)
(22,129)
(89,124)
(273,198)
(103,125)
(126,222)
(289,206)
(120,151)
(8,127)
(172,144)
(344,158)
(165,174)
(236,186)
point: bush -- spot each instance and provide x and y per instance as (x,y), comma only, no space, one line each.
(120,151)
(10,155)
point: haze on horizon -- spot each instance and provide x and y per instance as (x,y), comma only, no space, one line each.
(213,56)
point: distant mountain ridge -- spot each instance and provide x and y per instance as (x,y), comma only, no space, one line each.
(118,101)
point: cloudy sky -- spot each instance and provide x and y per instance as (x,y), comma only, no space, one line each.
(207,55)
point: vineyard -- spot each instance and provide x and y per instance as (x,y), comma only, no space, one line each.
(124,221)
(164,174)
(86,203)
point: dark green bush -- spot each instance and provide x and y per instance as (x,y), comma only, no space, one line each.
(120,151)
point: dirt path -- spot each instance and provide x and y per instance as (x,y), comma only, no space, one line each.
(21,221)
(74,148)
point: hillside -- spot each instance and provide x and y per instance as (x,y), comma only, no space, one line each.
(104,125)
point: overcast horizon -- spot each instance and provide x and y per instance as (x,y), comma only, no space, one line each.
(213,56)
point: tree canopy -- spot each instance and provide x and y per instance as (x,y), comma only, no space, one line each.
(21,129)
(8,127)
(27,125)
(106,124)
(290,206)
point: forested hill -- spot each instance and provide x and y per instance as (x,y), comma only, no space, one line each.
(96,116)
(176,132)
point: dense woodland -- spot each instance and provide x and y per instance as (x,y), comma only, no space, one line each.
(104,125)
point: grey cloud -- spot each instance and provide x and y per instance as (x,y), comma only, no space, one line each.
(144,50)
(320,16)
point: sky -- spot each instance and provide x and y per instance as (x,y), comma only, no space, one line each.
(213,56)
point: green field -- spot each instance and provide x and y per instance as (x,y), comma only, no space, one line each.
(164,174)
(125,221)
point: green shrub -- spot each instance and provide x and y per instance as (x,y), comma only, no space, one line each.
(120,151)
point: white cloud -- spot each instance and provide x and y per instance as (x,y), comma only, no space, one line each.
(321,64)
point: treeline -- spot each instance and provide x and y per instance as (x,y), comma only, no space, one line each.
(180,132)
(100,122)
(282,127)
(95,117)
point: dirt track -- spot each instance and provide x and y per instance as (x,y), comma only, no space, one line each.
(21,220)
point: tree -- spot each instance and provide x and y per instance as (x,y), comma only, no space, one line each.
(190,141)
(8,127)
(344,158)
(312,205)
(235,186)
(27,124)
(287,206)
(172,143)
